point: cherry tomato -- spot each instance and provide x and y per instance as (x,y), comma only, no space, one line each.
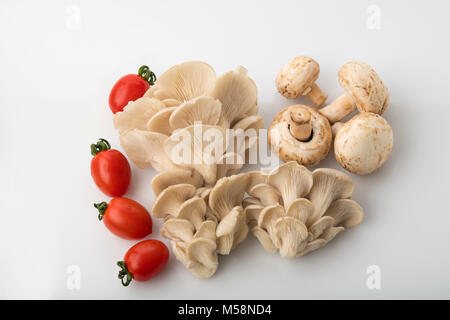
(130,87)
(125,218)
(143,261)
(110,169)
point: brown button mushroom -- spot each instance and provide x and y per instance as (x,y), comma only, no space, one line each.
(300,133)
(364,90)
(298,77)
(364,143)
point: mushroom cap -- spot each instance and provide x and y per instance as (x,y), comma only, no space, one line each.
(202,146)
(297,76)
(169,202)
(136,114)
(159,122)
(329,185)
(288,148)
(292,180)
(364,143)
(238,95)
(228,193)
(203,109)
(345,212)
(146,148)
(183,82)
(365,87)
(177,176)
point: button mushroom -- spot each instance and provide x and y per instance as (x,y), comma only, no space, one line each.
(298,77)
(364,90)
(364,143)
(300,133)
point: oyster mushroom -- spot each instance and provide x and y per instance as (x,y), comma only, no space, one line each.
(201,147)
(364,143)
(166,179)
(183,82)
(328,185)
(300,133)
(136,114)
(231,230)
(227,194)
(205,110)
(293,181)
(193,210)
(267,194)
(364,90)
(291,234)
(160,121)
(345,212)
(145,149)
(169,201)
(238,95)
(298,77)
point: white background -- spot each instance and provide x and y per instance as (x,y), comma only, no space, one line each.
(55,78)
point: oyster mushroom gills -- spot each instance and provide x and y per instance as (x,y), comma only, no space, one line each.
(300,133)
(298,77)
(312,209)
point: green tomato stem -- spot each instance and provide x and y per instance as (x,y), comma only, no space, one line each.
(101,145)
(124,273)
(101,207)
(148,75)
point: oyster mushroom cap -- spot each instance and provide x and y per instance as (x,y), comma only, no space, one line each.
(238,95)
(227,194)
(308,152)
(292,235)
(264,238)
(178,229)
(251,201)
(136,114)
(268,218)
(267,194)
(256,177)
(250,122)
(252,212)
(320,225)
(207,230)
(160,121)
(345,212)
(145,148)
(193,210)
(292,180)
(297,76)
(166,179)
(364,143)
(329,185)
(311,246)
(300,209)
(330,233)
(183,82)
(201,147)
(231,230)
(203,251)
(228,165)
(365,87)
(204,109)
(169,201)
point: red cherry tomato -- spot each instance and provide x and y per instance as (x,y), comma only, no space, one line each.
(143,261)
(125,218)
(110,169)
(130,88)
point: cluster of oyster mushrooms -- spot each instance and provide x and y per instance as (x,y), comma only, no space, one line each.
(209,207)
(304,134)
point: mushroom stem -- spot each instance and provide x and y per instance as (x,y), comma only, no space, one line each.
(339,108)
(300,124)
(316,96)
(336,127)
